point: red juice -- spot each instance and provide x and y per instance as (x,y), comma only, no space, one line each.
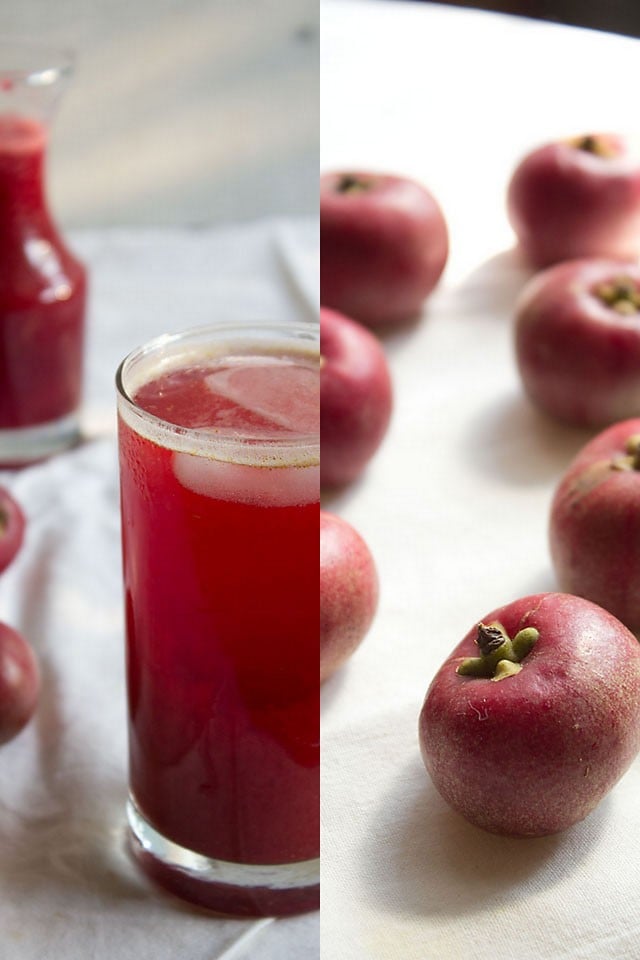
(42,289)
(220,545)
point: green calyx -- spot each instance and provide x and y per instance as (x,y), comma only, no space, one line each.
(350,183)
(500,656)
(621,294)
(589,143)
(631,460)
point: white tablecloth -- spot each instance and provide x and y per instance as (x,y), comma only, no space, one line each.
(67,888)
(455,505)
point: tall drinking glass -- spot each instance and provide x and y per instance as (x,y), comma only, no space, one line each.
(219,466)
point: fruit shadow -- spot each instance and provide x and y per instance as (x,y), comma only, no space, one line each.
(336,498)
(333,688)
(393,336)
(492,288)
(438,864)
(513,441)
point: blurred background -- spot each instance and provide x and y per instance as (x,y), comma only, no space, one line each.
(615,16)
(181,111)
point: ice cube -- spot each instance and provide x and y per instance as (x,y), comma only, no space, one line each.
(285,393)
(244,483)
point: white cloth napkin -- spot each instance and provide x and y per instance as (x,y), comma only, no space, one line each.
(455,505)
(67,887)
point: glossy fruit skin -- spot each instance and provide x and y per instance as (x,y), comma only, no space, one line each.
(382,249)
(564,202)
(12,524)
(19,683)
(578,358)
(355,398)
(534,753)
(348,592)
(594,526)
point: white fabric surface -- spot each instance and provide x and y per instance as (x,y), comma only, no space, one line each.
(67,888)
(455,505)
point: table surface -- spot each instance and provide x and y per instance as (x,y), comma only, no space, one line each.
(455,505)
(67,887)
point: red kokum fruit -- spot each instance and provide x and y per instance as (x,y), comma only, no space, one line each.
(12,525)
(348,591)
(355,398)
(594,529)
(577,198)
(19,683)
(577,341)
(534,716)
(383,246)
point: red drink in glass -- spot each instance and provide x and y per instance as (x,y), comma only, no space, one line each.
(220,490)
(42,285)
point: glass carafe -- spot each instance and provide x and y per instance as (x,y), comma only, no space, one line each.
(42,284)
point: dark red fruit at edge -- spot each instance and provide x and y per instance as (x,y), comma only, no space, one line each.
(12,523)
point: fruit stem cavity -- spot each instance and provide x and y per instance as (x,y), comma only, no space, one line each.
(632,447)
(500,657)
(631,460)
(621,294)
(350,183)
(592,144)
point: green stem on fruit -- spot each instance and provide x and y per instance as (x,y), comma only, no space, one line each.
(350,183)
(588,143)
(490,637)
(592,144)
(631,460)
(621,294)
(632,447)
(500,657)
(4,521)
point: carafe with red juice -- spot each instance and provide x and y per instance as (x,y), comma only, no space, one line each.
(42,284)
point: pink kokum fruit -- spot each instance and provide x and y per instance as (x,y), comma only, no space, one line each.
(348,591)
(578,197)
(594,528)
(12,524)
(19,682)
(383,246)
(577,341)
(534,716)
(355,398)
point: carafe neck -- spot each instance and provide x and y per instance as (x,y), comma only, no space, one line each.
(23,204)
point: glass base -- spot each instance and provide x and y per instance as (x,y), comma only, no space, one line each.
(26,445)
(232,889)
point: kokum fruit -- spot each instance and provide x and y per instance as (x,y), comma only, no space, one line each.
(348,591)
(577,341)
(383,246)
(12,525)
(594,528)
(355,398)
(19,682)
(577,198)
(534,716)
